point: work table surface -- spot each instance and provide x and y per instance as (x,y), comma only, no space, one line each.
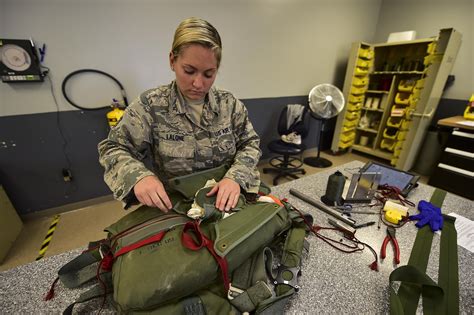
(331,281)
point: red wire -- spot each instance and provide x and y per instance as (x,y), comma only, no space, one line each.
(392,192)
(349,236)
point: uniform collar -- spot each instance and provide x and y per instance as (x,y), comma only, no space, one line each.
(180,103)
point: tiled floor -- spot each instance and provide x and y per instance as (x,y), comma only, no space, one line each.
(76,228)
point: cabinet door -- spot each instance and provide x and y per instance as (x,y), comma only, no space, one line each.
(448,44)
(355,85)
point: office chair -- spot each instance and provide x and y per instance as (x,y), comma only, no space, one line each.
(287,163)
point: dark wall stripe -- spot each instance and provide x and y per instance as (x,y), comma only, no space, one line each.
(32,151)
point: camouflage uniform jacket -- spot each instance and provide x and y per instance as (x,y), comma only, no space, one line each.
(157,125)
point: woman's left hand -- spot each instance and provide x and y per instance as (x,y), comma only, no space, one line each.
(228,192)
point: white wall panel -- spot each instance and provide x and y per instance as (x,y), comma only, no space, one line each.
(427,17)
(271,48)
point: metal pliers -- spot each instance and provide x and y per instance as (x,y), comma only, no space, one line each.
(390,237)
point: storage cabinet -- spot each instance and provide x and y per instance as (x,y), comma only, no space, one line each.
(391,92)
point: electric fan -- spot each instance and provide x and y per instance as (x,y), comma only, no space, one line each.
(325,102)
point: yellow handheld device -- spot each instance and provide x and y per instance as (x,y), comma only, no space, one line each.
(469,112)
(394,212)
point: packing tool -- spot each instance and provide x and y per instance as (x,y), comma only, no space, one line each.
(362,187)
(321,206)
(343,228)
(334,189)
(390,238)
(347,209)
(360,212)
(358,226)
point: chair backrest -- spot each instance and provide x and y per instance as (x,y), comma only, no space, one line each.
(301,127)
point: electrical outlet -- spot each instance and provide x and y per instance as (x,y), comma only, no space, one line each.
(67,175)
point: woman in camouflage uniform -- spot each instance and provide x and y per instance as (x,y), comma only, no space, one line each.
(184,127)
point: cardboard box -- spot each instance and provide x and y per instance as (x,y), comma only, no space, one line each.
(10,224)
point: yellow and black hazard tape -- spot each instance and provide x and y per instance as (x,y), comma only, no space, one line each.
(49,236)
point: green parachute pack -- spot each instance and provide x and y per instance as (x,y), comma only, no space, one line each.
(169,263)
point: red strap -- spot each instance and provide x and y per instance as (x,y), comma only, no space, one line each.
(153,239)
(190,243)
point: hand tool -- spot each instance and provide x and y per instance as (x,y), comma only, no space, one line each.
(390,238)
(323,207)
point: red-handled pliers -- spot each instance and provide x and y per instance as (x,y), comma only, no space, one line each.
(391,237)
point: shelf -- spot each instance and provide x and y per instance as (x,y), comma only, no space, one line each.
(394,65)
(368,130)
(377,153)
(377,91)
(398,72)
(406,42)
(373,109)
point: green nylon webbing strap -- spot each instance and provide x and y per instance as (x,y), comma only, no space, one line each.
(96,291)
(409,293)
(448,277)
(291,258)
(80,270)
(437,298)
(251,277)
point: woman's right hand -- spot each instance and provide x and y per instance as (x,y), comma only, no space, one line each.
(150,191)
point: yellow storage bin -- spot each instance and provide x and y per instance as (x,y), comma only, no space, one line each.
(401,135)
(361,71)
(346,129)
(356,98)
(431,48)
(366,53)
(398,111)
(412,101)
(352,115)
(406,85)
(358,90)
(347,136)
(344,145)
(390,133)
(354,106)
(398,145)
(396,152)
(388,144)
(415,93)
(360,81)
(420,84)
(394,161)
(405,125)
(402,98)
(430,59)
(364,63)
(350,123)
(394,122)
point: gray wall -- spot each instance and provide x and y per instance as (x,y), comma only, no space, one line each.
(271,48)
(427,17)
(274,53)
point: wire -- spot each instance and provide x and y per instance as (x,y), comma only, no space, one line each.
(70,75)
(47,74)
(356,245)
